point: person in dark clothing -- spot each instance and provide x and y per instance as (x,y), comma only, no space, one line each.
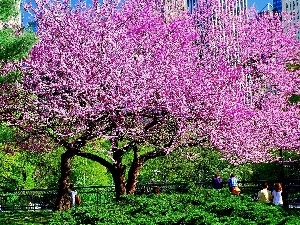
(217,182)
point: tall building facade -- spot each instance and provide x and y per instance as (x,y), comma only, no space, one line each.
(192,4)
(239,5)
(277,5)
(290,5)
(224,4)
(293,7)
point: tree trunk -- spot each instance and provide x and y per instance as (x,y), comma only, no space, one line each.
(63,200)
(119,180)
(133,174)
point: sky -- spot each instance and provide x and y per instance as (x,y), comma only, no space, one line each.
(258,4)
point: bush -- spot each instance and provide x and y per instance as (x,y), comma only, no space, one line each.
(198,206)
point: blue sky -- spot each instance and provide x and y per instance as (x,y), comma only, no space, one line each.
(26,17)
(259,5)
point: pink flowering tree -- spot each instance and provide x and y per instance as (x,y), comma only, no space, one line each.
(245,62)
(122,74)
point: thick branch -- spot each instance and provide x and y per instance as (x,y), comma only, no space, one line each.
(96,158)
(151,124)
(154,154)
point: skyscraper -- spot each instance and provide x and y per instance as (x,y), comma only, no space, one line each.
(277,5)
(291,6)
(192,4)
(240,5)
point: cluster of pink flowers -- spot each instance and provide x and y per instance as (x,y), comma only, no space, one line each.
(108,70)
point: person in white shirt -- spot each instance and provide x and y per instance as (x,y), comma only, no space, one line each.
(277,194)
(73,193)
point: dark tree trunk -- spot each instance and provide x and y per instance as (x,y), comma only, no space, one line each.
(133,174)
(63,200)
(119,180)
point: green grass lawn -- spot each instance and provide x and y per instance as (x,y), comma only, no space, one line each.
(25,218)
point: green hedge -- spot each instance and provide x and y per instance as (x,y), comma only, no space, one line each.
(200,206)
(25,218)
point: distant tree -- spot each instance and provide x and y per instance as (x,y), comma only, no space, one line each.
(8,10)
(186,165)
(15,44)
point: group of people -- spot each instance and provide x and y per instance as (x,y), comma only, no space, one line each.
(232,183)
(264,195)
(267,196)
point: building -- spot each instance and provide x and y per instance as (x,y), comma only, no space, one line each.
(240,4)
(192,4)
(277,5)
(292,7)
(16,21)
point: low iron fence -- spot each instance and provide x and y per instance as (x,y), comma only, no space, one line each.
(44,199)
(291,189)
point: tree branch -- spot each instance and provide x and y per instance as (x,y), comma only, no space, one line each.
(151,124)
(157,153)
(95,158)
(128,146)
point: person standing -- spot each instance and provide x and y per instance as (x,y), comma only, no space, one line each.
(73,194)
(264,195)
(277,195)
(217,182)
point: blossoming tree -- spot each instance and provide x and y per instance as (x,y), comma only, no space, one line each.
(104,72)
(250,53)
